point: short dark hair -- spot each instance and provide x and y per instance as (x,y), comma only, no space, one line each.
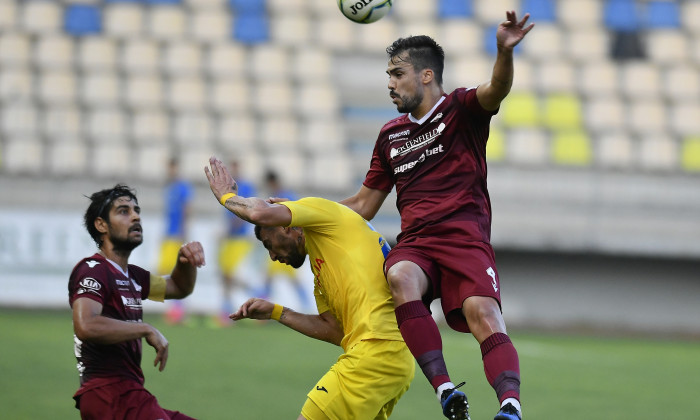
(423,53)
(100,205)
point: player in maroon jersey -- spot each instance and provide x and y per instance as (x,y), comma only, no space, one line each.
(106,292)
(435,155)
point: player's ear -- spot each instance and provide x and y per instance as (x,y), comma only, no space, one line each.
(427,76)
(101,225)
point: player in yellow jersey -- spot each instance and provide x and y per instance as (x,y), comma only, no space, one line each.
(355,307)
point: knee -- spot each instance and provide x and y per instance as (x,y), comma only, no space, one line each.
(404,284)
(483,317)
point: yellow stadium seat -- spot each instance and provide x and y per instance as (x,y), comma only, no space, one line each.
(520,109)
(571,147)
(690,154)
(496,146)
(562,112)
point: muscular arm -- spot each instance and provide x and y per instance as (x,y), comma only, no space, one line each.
(181,282)
(366,202)
(90,326)
(322,327)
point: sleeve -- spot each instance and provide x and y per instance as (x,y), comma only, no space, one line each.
(89,282)
(321,303)
(468,99)
(157,289)
(379,175)
(313,212)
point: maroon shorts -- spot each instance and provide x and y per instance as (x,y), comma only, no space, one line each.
(122,400)
(456,269)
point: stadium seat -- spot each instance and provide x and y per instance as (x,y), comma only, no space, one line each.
(584,45)
(330,172)
(317,100)
(604,113)
(658,153)
(163,1)
(527,146)
(226,60)
(525,76)
(8,16)
(82,19)
(690,17)
(67,157)
(22,156)
(19,119)
(16,84)
(556,76)
(599,78)
(640,80)
(647,116)
(182,59)
(540,10)
(210,26)
(274,97)
(544,43)
(418,26)
(106,125)
(143,91)
(42,17)
(54,52)
(248,6)
(376,37)
(167,23)
(468,71)
(291,30)
(408,10)
(665,46)
(319,135)
(690,154)
(140,56)
(186,93)
(192,161)
(193,129)
(455,9)
(229,95)
(57,87)
(312,64)
(123,20)
(622,15)
(150,126)
(520,109)
(150,160)
(463,37)
(62,122)
(111,160)
(15,49)
(269,62)
(251,28)
(493,12)
(681,82)
(97,54)
(685,117)
(582,14)
(279,134)
(336,33)
(562,112)
(100,88)
(218,5)
(496,145)
(292,168)
(237,133)
(571,147)
(663,14)
(615,150)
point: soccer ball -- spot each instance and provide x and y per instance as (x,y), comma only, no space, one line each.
(365,11)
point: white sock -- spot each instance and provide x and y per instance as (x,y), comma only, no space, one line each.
(514,402)
(443,387)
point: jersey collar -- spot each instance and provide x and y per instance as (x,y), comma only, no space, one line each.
(428,115)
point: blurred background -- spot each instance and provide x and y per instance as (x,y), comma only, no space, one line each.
(594,157)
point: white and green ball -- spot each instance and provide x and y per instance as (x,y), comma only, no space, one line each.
(365,11)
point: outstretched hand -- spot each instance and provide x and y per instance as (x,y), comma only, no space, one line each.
(510,32)
(220,179)
(254,308)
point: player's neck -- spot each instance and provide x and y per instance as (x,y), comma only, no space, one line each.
(430,98)
(121,258)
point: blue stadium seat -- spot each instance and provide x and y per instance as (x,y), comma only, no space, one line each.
(622,15)
(251,28)
(82,19)
(248,6)
(663,14)
(540,10)
(455,8)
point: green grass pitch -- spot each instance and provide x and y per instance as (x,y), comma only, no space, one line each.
(257,370)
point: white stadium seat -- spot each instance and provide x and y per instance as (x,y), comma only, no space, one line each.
(291,29)
(229,95)
(19,119)
(62,122)
(15,84)
(226,60)
(193,129)
(123,20)
(658,153)
(107,125)
(15,49)
(615,149)
(278,134)
(186,93)
(150,126)
(58,87)
(41,17)
(97,53)
(210,26)
(166,22)
(67,158)
(182,58)
(100,88)
(111,160)
(150,160)
(237,133)
(140,56)
(54,52)
(22,155)
(143,91)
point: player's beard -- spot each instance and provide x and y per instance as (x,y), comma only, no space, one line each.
(295,259)
(408,104)
(125,244)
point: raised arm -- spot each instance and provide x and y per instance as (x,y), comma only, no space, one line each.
(510,32)
(251,209)
(322,327)
(366,202)
(181,282)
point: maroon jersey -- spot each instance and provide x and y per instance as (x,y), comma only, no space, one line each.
(97,279)
(438,165)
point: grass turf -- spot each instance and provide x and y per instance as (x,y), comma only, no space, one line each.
(257,370)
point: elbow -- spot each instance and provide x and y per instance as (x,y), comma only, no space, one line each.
(85,333)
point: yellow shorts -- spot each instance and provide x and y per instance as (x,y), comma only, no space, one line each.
(275,268)
(365,383)
(232,252)
(168,255)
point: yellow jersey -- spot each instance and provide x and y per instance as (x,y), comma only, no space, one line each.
(347,260)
